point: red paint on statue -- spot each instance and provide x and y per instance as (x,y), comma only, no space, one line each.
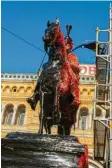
(69,73)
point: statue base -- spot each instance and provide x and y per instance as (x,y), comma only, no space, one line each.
(30,150)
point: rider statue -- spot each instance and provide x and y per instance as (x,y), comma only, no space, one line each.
(69,46)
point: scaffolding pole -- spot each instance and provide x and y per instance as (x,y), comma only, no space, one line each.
(110,51)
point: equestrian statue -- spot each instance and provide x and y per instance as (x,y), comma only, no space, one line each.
(57,87)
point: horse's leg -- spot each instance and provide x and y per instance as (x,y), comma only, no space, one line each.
(40,128)
(41,120)
(67,130)
(41,117)
(49,111)
(71,121)
(45,126)
(49,129)
(60,130)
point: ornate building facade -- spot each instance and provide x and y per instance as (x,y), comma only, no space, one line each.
(17,115)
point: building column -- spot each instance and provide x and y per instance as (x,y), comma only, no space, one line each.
(2,112)
(90,117)
(14,115)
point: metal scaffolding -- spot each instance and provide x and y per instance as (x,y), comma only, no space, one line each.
(103,98)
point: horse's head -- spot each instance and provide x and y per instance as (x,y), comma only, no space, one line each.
(51,33)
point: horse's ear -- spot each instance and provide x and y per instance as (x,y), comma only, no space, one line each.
(48,23)
(70,27)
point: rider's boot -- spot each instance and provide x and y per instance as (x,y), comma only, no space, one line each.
(33,100)
(35,97)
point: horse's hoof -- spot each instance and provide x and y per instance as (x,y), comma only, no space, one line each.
(40,133)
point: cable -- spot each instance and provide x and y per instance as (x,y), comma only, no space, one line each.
(41,64)
(22,39)
(29,44)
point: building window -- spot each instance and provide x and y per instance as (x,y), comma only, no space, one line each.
(20,116)
(83,122)
(29,90)
(83,118)
(21,89)
(9,118)
(7,89)
(92,92)
(85,92)
(8,115)
(21,119)
(27,76)
(14,89)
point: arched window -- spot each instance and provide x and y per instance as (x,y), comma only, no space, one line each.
(7,89)
(21,89)
(29,90)
(20,115)
(21,118)
(14,89)
(9,118)
(92,92)
(83,78)
(85,92)
(83,121)
(10,76)
(8,115)
(27,76)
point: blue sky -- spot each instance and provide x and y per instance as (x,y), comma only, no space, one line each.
(28,20)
